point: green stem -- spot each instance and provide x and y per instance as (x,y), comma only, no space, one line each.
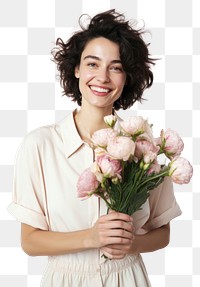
(134,185)
(141,175)
(103,197)
(120,189)
(156,176)
(120,198)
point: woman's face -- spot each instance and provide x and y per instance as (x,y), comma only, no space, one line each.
(100,73)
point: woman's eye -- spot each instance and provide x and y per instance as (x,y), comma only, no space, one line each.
(117,69)
(92,65)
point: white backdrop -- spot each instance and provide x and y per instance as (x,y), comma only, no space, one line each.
(31,97)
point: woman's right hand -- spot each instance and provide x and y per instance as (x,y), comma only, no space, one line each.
(113,228)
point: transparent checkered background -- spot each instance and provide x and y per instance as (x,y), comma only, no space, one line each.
(31,97)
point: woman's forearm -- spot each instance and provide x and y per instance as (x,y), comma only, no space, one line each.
(152,241)
(37,242)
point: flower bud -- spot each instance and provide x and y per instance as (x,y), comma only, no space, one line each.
(110,120)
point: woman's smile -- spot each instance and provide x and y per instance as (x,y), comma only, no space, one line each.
(100,91)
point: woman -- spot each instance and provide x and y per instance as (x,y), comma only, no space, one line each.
(103,67)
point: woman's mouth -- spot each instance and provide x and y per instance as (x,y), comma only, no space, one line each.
(100,91)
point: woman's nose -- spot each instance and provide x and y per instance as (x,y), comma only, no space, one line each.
(103,76)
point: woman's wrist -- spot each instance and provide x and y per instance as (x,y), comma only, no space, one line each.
(88,241)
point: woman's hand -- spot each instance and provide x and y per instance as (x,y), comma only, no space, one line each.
(117,251)
(113,233)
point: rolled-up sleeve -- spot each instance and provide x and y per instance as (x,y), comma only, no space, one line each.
(29,199)
(163,205)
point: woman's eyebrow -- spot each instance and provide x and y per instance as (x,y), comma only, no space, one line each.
(99,59)
(91,57)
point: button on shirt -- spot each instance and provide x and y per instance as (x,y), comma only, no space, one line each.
(48,164)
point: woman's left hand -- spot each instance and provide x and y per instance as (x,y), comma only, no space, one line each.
(118,251)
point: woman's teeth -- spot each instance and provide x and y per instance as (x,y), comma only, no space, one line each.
(100,90)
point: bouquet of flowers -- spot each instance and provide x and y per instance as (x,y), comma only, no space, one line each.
(128,163)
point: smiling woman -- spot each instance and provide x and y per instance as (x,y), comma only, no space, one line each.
(103,67)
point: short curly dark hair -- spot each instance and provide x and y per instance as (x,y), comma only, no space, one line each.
(134,55)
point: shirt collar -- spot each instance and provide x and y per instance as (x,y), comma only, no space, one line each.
(70,135)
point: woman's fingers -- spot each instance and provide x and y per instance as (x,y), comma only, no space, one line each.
(116,251)
(117,216)
(107,240)
(113,228)
(118,225)
(116,220)
(121,233)
(117,248)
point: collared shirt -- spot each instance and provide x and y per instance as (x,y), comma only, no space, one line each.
(47,168)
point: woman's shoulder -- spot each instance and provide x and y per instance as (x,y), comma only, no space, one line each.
(47,135)
(39,135)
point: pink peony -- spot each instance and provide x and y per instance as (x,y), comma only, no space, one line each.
(172,143)
(146,150)
(133,125)
(121,147)
(109,167)
(101,137)
(137,126)
(87,183)
(180,170)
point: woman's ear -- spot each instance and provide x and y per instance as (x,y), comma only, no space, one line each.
(76,72)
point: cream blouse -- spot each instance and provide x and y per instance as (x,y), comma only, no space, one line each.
(48,164)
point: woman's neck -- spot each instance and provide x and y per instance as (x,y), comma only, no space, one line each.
(89,121)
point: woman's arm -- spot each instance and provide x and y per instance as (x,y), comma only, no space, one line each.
(113,228)
(36,242)
(151,241)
